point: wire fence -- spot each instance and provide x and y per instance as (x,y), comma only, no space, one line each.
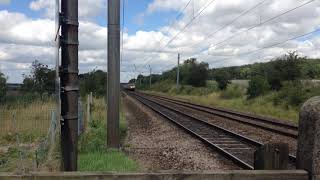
(32,118)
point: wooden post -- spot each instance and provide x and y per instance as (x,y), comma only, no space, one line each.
(272,157)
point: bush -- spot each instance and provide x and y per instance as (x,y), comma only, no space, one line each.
(95,139)
(295,93)
(3,88)
(212,86)
(223,79)
(233,91)
(257,86)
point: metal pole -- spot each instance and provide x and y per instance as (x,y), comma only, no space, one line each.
(69,84)
(113,136)
(135,74)
(57,61)
(150,78)
(178,72)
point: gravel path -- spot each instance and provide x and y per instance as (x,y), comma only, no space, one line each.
(157,144)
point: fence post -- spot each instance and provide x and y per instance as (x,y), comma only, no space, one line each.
(272,157)
(88,108)
(80,115)
(53,125)
(308,152)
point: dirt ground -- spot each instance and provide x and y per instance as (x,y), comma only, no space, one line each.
(157,144)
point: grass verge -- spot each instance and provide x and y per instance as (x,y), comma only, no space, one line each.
(93,154)
(106,161)
(261,105)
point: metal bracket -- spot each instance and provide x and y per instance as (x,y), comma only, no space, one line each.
(67,70)
(70,117)
(69,88)
(64,20)
(65,42)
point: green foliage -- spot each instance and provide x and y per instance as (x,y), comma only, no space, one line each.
(41,80)
(257,86)
(288,67)
(194,73)
(285,68)
(95,139)
(106,161)
(191,73)
(233,91)
(94,81)
(3,88)
(295,93)
(222,77)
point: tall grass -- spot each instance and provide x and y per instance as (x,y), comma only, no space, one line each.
(93,155)
(22,117)
(234,97)
(261,105)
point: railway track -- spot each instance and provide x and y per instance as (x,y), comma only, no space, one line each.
(272,125)
(233,146)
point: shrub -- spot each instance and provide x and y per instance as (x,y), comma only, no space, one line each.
(95,139)
(223,79)
(233,91)
(257,86)
(2,86)
(212,86)
(295,93)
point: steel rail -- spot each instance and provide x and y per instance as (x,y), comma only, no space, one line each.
(236,160)
(227,114)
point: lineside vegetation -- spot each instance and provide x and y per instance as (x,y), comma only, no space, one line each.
(277,88)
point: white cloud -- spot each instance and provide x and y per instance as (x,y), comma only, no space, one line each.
(25,39)
(87,9)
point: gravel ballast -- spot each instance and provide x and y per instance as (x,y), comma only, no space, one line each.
(157,144)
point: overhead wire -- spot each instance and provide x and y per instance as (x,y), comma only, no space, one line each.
(170,26)
(273,45)
(188,24)
(231,22)
(262,23)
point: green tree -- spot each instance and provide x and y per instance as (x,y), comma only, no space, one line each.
(194,73)
(41,80)
(257,86)
(3,88)
(222,77)
(291,70)
(94,81)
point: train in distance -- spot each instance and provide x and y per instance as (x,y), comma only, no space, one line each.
(129,86)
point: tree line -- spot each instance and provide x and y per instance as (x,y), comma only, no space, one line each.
(263,77)
(285,75)
(41,82)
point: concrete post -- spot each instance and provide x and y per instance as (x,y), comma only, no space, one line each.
(308,153)
(69,84)
(113,102)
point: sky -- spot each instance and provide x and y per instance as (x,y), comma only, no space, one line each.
(220,32)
